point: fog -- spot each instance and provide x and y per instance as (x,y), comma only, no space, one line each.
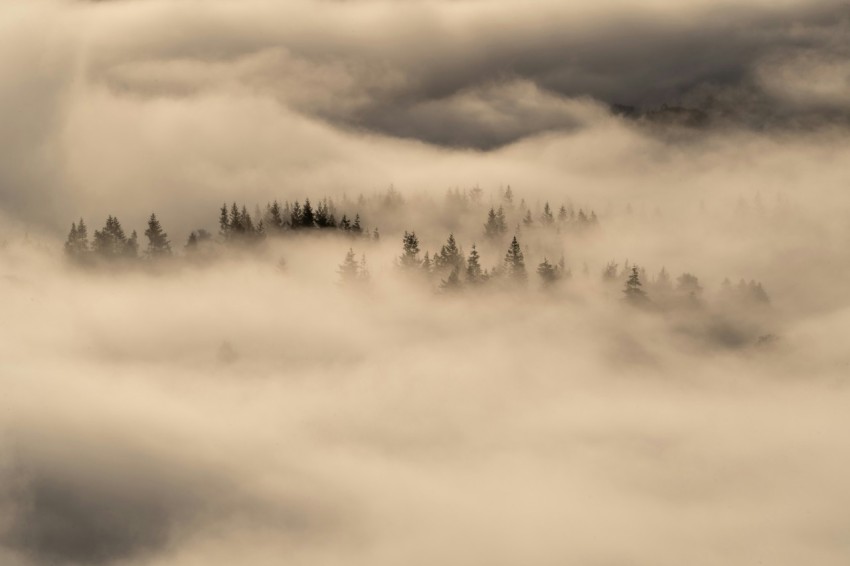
(247,402)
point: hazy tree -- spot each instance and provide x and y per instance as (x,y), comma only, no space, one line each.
(110,241)
(508,196)
(224,222)
(609,273)
(547,217)
(515,262)
(427,264)
(452,283)
(355,226)
(308,219)
(474,274)
(633,292)
(295,219)
(450,256)
(548,273)
(491,227)
(562,214)
(376,236)
(158,244)
(274,217)
(349,269)
(131,248)
(410,251)
(527,219)
(77,245)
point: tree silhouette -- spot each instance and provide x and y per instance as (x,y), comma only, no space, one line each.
(77,244)
(515,262)
(632,291)
(474,274)
(450,256)
(452,283)
(410,251)
(158,244)
(548,273)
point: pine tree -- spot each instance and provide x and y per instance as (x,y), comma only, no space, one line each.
(527,220)
(224,222)
(474,274)
(501,222)
(131,248)
(355,227)
(427,265)
(452,283)
(349,269)
(376,236)
(562,214)
(548,272)
(295,216)
(110,242)
(508,197)
(515,262)
(77,245)
(450,256)
(158,244)
(275,220)
(491,227)
(547,218)
(410,254)
(632,291)
(308,219)
(345,224)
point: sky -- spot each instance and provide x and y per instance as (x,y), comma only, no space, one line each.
(252,409)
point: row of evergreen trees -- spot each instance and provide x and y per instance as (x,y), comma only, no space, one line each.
(237,223)
(111,242)
(459,271)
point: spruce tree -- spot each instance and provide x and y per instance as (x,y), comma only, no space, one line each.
(515,262)
(308,219)
(224,222)
(452,283)
(548,273)
(158,244)
(547,218)
(410,251)
(295,219)
(450,256)
(349,269)
(474,274)
(632,291)
(491,227)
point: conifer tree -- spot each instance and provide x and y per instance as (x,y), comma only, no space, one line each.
(158,244)
(452,283)
(410,251)
(224,222)
(515,262)
(349,269)
(111,242)
(376,236)
(562,214)
(450,255)
(474,274)
(632,291)
(547,218)
(308,219)
(295,216)
(427,265)
(355,226)
(275,218)
(131,249)
(548,273)
(491,227)
(527,220)
(77,244)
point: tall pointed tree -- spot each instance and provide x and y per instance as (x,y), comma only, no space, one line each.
(410,251)
(515,262)
(158,244)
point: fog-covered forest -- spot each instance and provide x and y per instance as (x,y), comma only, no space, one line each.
(454,282)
